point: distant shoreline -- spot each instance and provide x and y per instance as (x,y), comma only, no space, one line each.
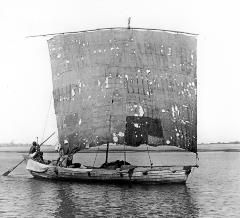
(28,145)
(222,147)
(128,151)
(220,143)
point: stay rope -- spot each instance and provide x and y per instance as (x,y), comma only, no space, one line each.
(95,157)
(46,119)
(151,164)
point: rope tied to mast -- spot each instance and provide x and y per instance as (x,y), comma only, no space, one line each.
(151,164)
(95,157)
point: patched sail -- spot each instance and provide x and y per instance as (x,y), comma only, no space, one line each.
(127,86)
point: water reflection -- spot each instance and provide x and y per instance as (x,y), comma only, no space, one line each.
(124,201)
(168,200)
(66,206)
(40,198)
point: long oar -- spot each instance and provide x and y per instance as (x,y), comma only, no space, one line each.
(47,138)
(13,168)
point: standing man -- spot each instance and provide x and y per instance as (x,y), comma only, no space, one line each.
(65,147)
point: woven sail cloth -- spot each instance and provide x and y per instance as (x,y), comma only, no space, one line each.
(125,86)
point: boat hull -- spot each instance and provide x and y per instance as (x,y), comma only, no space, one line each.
(127,174)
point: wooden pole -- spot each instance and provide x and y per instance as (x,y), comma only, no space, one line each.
(107,152)
(113,28)
(124,154)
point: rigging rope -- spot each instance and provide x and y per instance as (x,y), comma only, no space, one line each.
(197,158)
(47,118)
(95,157)
(151,164)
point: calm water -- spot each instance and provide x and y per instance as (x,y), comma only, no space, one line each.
(212,190)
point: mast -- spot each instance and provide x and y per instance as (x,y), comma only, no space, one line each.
(107,149)
(106,161)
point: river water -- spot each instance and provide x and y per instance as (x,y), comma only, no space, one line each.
(212,190)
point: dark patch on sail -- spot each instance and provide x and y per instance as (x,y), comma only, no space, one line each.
(140,130)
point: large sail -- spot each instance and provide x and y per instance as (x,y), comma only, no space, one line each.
(125,86)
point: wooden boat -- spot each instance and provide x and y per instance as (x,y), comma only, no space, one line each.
(127,87)
(124,174)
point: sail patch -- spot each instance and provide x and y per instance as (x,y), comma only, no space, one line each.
(143,130)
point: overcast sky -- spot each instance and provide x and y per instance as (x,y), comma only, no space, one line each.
(25,83)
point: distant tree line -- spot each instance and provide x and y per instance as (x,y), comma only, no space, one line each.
(11,144)
(213,143)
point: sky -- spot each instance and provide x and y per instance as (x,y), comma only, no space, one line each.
(26,109)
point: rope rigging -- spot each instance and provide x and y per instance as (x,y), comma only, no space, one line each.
(46,119)
(95,157)
(151,164)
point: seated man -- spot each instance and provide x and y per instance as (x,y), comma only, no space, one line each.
(35,153)
(66,155)
(64,159)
